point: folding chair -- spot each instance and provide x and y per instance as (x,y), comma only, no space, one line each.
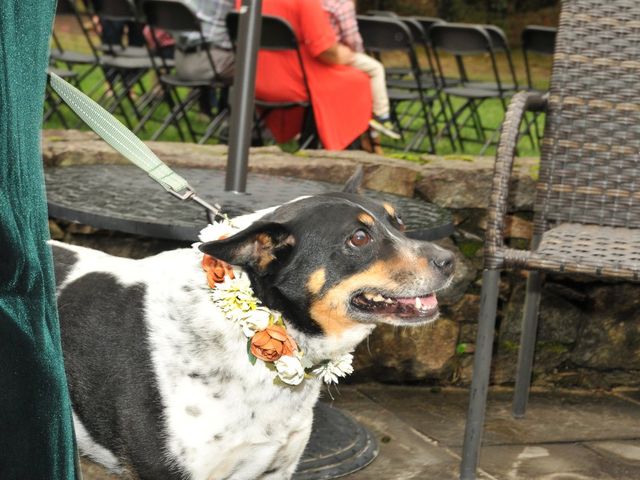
(539,41)
(117,11)
(420,42)
(465,40)
(587,205)
(500,46)
(82,62)
(124,67)
(278,35)
(381,35)
(175,16)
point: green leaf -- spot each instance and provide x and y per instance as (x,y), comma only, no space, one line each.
(252,357)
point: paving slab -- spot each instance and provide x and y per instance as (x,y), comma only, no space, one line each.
(404,452)
(554,462)
(552,417)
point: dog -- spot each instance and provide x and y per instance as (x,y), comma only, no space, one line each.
(165,384)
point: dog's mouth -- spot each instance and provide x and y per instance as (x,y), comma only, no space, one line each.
(420,308)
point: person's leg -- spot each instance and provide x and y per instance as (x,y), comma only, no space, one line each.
(225,62)
(112,31)
(375,70)
(192,65)
(135,38)
(196,66)
(381,121)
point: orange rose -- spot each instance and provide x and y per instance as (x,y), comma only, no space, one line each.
(272,343)
(216,270)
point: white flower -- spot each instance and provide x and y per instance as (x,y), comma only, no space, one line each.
(255,321)
(290,370)
(214,231)
(235,295)
(330,371)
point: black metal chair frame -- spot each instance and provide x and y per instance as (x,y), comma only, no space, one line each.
(176,16)
(278,35)
(388,34)
(463,40)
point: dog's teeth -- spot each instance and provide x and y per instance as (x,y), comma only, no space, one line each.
(388,300)
(378,298)
(418,303)
(368,295)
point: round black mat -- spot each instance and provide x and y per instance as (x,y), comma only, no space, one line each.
(124,198)
(338,446)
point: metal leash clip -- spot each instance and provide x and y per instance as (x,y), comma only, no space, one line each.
(212,211)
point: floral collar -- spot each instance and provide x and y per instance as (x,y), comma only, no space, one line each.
(266,332)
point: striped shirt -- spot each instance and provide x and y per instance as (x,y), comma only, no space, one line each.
(342,15)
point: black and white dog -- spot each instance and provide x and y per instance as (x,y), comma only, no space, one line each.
(164,385)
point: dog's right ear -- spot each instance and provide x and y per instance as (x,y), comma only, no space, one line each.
(256,247)
(354,183)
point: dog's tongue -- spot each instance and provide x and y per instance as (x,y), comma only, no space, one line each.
(426,303)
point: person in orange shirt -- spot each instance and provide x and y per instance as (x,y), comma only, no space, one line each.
(340,94)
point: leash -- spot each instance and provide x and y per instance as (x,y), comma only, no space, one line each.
(123,140)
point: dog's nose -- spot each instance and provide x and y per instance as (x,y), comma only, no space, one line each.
(444,263)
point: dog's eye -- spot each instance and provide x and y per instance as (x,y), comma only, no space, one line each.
(399,223)
(360,238)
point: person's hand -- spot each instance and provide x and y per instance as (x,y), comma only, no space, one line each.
(345,55)
(337,54)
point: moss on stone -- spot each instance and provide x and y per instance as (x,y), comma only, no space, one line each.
(469,248)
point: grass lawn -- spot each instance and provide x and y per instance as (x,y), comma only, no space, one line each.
(490,111)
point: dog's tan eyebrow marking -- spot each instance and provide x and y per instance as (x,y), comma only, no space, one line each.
(390,210)
(391,233)
(365,218)
(317,281)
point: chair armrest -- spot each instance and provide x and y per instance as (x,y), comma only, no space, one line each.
(494,239)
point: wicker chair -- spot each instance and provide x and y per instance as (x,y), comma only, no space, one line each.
(587,206)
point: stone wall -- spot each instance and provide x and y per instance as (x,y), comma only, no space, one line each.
(589,331)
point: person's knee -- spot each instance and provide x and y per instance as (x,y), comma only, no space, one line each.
(377,69)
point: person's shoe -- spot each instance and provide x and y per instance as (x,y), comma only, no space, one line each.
(385,127)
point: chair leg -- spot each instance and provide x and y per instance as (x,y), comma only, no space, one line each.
(481,372)
(527,344)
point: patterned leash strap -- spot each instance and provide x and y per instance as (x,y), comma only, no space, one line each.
(112,131)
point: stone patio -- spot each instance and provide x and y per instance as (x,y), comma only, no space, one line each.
(566,435)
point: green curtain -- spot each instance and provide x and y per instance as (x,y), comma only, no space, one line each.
(36,435)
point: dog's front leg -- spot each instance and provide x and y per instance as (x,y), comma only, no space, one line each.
(287,458)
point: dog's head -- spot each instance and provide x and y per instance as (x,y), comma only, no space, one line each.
(332,261)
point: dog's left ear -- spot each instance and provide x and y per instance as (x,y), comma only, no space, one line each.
(255,247)
(354,183)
